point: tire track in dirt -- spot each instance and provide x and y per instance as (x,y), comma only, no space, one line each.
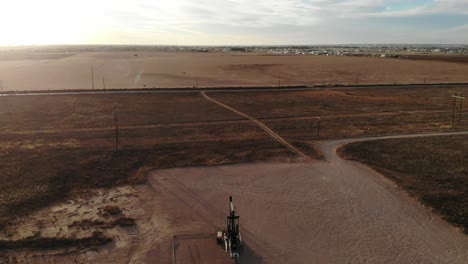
(261,125)
(334,211)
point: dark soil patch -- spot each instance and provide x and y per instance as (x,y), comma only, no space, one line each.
(96,239)
(433,169)
(35,178)
(445,58)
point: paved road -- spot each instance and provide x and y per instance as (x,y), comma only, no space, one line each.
(225,89)
(333,211)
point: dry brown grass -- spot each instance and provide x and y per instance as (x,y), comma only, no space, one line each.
(434,170)
(160,69)
(348,113)
(96,239)
(53,145)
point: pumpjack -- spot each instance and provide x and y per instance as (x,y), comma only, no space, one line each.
(231,238)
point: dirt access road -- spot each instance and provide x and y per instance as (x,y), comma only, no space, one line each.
(332,211)
(260,124)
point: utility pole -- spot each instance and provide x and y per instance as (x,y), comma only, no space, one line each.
(103,83)
(116,125)
(318,128)
(357,78)
(461,108)
(455,97)
(92,77)
(454,106)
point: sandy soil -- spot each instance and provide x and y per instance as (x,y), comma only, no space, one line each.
(79,217)
(326,212)
(159,69)
(198,249)
(332,211)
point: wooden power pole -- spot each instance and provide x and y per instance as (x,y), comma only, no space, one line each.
(455,97)
(92,77)
(318,127)
(453,107)
(461,108)
(116,125)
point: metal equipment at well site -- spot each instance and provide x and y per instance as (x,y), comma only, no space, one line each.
(231,237)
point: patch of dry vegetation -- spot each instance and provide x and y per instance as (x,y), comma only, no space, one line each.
(53,146)
(38,177)
(432,169)
(348,113)
(96,239)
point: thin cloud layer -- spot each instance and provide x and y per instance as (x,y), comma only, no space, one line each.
(215,22)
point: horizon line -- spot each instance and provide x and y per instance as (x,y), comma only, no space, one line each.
(238,45)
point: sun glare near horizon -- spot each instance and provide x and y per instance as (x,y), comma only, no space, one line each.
(232,22)
(49,22)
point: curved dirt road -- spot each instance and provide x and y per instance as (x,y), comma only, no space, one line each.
(329,147)
(333,211)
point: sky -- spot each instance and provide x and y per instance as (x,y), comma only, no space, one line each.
(233,22)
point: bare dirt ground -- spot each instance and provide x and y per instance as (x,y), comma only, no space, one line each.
(68,142)
(60,170)
(431,169)
(198,249)
(170,69)
(332,211)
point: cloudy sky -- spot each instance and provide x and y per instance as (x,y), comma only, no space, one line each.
(234,22)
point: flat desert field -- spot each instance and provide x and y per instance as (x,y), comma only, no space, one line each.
(69,197)
(52,71)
